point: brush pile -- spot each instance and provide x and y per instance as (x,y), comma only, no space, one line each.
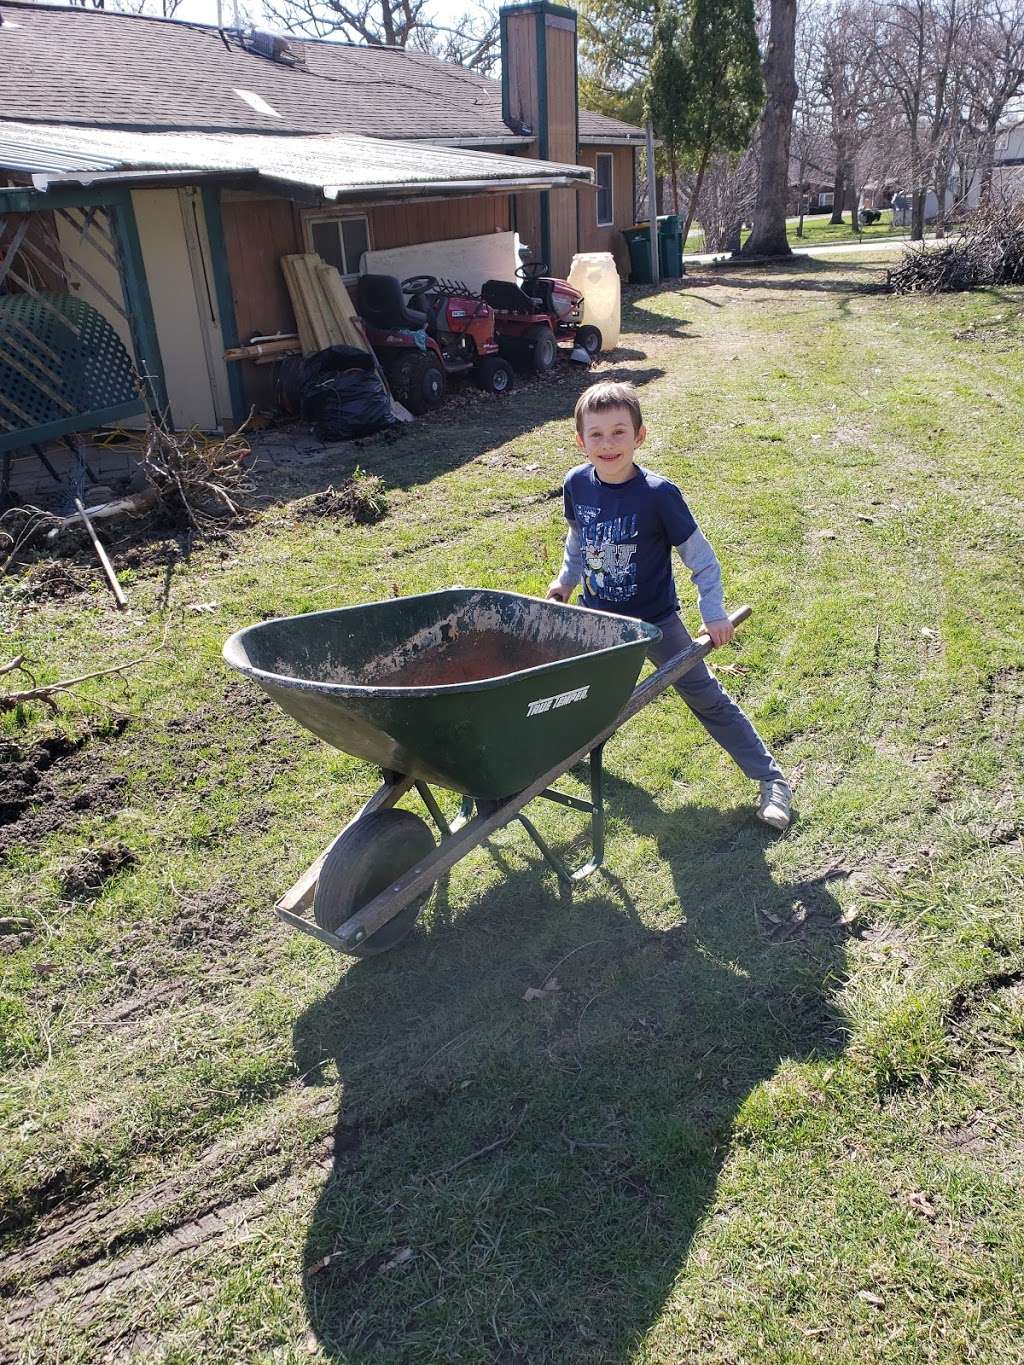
(197,481)
(988,249)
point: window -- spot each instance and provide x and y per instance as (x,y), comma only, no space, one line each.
(340,242)
(825,199)
(605,213)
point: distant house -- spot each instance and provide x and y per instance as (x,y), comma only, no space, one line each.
(161,169)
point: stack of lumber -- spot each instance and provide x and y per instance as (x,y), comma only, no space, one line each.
(323,310)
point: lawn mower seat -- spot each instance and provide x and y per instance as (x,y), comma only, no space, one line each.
(382,304)
(505,297)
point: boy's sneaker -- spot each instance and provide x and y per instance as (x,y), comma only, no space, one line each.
(773,807)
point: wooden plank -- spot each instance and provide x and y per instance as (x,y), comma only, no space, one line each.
(420,878)
(302,319)
(323,325)
(14,247)
(85,235)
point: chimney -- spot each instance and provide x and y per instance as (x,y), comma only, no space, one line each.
(538,97)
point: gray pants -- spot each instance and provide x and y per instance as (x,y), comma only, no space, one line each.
(713,707)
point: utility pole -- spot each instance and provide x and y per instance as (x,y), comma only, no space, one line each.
(652,205)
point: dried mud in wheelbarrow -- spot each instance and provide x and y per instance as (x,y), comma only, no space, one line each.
(471,657)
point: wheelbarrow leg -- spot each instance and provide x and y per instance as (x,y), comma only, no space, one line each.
(465,813)
(595,807)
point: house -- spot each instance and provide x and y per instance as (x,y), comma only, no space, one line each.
(160,170)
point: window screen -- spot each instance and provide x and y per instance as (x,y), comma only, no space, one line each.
(341,242)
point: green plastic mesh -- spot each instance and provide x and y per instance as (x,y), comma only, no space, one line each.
(59,364)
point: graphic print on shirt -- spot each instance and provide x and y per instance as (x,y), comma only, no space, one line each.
(609,554)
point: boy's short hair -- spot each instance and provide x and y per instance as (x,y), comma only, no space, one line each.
(608,394)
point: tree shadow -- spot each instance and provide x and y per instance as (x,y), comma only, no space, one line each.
(520,1180)
(467,427)
(803,275)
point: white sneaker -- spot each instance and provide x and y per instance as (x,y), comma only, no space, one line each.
(773,807)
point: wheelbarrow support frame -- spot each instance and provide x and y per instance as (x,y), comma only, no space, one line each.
(467,831)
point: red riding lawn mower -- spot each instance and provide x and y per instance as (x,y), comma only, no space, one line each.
(533,317)
(460,337)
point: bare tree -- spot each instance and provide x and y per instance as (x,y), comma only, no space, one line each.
(994,76)
(846,63)
(161,9)
(727,198)
(916,43)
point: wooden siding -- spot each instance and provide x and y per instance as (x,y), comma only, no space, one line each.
(521,56)
(592,237)
(560,44)
(257,233)
(438,221)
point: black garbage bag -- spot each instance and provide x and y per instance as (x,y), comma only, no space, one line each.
(342,394)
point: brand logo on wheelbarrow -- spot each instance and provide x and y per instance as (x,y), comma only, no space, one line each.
(542,704)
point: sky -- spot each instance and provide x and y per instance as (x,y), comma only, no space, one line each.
(205,11)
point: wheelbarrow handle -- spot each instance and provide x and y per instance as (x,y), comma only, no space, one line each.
(673,669)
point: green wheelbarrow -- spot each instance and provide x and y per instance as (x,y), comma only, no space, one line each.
(489,694)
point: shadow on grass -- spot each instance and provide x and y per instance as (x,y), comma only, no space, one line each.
(469,425)
(521,1181)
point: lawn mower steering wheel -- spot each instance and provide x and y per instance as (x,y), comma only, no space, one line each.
(531,270)
(418,284)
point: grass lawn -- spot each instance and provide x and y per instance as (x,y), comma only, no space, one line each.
(767,1106)
(818,231)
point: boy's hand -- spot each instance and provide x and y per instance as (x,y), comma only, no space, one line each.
(721,632)
(556,593)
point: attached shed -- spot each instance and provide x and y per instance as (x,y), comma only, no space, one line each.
(203,221)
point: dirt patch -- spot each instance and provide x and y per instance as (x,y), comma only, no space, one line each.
(85,878)
(361,499)
(1005,706)
(148,1002)
(51,784)
(208,918)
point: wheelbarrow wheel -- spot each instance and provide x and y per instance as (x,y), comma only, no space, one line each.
(361,863)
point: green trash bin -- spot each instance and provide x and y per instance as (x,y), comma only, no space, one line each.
(638,240)
(670,247)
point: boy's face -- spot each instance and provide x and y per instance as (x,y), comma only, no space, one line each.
(608,441)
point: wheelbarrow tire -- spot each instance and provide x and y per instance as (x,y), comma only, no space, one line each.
(362,862)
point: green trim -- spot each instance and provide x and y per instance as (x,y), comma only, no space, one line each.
(539,7)
(542,86)
(139,305)
(97,417)
(21,199)
(225,299)
(506,103)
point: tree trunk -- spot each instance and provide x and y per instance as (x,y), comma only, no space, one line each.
(691,211)
(769,235)
(673,163)
(917,215)
(850,182)
(732,240)
(838,190)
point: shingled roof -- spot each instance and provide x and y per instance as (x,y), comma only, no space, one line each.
(98,68)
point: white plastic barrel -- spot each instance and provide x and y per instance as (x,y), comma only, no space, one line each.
(593,273)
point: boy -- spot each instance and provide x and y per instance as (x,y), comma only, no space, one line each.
(623,523)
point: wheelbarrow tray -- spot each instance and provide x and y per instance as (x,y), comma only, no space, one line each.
(383,681)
